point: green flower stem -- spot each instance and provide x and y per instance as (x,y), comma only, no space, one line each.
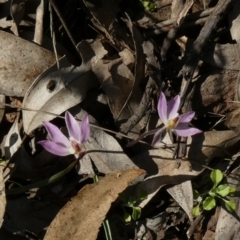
(44,182)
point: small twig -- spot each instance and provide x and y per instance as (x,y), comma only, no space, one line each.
(58,116)
(194,225)
(191,19)
(140,111)
(142,136)
(53,35)
(65,26)
(203,38)
(38,33)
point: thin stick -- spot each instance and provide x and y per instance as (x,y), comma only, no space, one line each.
(58,116)
(65,26)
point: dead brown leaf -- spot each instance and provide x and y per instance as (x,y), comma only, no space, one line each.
(106,153)
(115,77)
(20,63)
(13,139)
(82,217)
(56,90)
(183,194)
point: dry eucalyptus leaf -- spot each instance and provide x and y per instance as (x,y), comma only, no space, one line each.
(102,149)
(107,154)
(232,119)
(128,58)
(82,217)
(115,77)
(57,90)
(230,221)
(183,194)
(13,139)
(161,168)
(20,63)
(2,196)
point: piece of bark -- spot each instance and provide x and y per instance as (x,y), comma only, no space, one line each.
(204,36)
(213,92)
(180,12)
(192,61)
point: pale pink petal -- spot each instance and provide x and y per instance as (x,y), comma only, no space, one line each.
(158,136)
(54,148)
(186,132)
(55,134)
(72,126)
(162,108)
(85,129)
(172,107)
(184,120)
(186,117)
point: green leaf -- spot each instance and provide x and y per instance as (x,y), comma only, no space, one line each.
(136,213)
(195,194)
(142,195)
(232,191)
(223,190)
(145,4)
(230,205)
(151,7)
(127,217)
(196,210)
(131,201)
(216,176)
(209,203)
(213,192)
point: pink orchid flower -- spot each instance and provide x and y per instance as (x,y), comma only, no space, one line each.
(178,124)
(62,146)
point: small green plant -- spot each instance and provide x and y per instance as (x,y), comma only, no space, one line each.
(207,201)
(149,5)
(132,203)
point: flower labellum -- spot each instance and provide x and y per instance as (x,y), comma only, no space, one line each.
(62,146)
(178,124)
